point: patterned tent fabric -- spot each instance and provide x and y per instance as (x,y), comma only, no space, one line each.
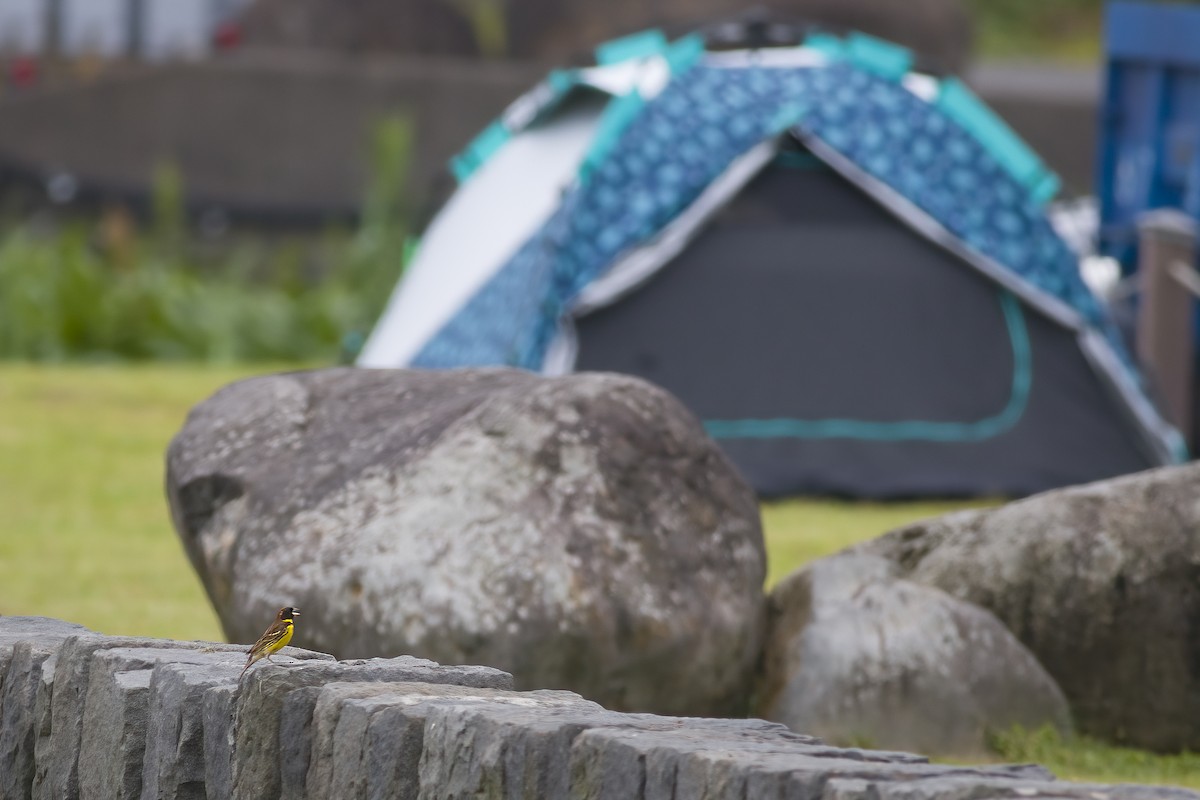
(692,131)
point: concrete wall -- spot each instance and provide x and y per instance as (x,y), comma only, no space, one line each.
(269,136)
(90,716)
(274,135)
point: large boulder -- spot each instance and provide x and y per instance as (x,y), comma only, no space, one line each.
(1101,582)
(579,532)
(857,656)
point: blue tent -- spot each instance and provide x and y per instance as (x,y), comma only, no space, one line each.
(843,266)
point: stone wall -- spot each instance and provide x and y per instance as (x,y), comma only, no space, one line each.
(90,716)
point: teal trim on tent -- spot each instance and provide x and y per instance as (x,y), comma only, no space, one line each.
(887,60)
(960,104)
(907,430)
(480,150)
(684,53)
(562,80)
(621,111)
(827,44)
(637,45)
(546,96)
(786,118)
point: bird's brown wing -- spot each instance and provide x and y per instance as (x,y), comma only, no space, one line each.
(271,636)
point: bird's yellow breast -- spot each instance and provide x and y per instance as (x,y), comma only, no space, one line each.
(283,640)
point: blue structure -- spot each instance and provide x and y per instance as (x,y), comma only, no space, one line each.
(843,267)
(1150,123)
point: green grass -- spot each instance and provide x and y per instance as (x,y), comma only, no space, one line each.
(86,535)
(799,531)
(1084,759)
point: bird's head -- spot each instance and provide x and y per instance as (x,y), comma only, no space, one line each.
(286,613)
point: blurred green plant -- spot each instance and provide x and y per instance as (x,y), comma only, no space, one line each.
(488,25)
(1059,29)
(108,291)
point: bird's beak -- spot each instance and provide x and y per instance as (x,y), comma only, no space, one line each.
(295,612)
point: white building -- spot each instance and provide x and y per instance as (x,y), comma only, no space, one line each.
(23,26)
(152,29)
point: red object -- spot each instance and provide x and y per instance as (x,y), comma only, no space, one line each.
(227,36)
(23,72)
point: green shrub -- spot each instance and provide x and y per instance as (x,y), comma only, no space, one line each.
(90,292)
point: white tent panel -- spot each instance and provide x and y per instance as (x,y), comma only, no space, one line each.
(648,75)
(486,221)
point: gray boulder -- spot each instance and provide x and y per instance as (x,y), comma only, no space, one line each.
(580,532)
(855,655)
(1101,582)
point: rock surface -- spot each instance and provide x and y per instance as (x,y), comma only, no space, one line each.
(1101,582)
(366,730)
(25,645)
(579,532)
(855,655)
(269,697)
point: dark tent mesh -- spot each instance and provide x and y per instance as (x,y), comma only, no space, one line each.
(831,349)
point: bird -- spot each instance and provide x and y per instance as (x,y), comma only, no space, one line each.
(274,638)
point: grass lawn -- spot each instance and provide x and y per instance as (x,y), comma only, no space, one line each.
(85,534)
(799,531)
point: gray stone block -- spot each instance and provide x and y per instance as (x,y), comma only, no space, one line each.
(264,693)
(519,748)
(734,759)
(154,720)
(43,632)
(60,739)
(295,738)
(368,740)
(19,684)
(219,709)
(114,736)
(38,630)
(174,764)
(62,745)
(25,645)
(116,722)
